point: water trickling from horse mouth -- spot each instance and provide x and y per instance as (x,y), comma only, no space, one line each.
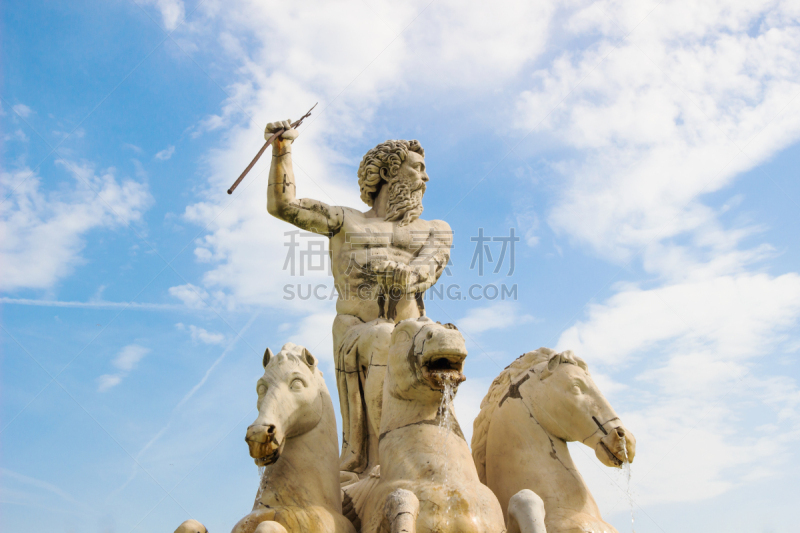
(626,467)
(449,382)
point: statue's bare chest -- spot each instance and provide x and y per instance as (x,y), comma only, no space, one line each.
(372,233)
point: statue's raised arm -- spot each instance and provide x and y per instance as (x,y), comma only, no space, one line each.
(306,214)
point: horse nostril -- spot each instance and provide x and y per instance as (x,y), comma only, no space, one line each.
(270,429)
(620,432)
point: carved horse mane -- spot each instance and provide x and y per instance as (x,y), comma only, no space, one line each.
(500,387)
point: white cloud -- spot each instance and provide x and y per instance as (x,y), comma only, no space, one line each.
(201,334)
(133,147)
(658,119)
(467,403)
(125,361)
(107,381)
(495,316)
(42,233)
(704,350)
(314,332)
(129,357)
(191,295)
(643,143)
(22,110)
(166,153)
(172,12)
(206,337)
(350,67)
(737,315)
(648,125)
(18,135)
(528,222)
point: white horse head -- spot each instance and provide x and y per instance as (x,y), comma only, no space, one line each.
(425,357)
(294,439)
(569,406)
(290,402)
(533,408)
(191,526)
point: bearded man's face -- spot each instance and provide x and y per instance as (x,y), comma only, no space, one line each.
(406,190)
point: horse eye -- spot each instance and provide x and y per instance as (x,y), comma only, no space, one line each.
(262,390)
(297,384)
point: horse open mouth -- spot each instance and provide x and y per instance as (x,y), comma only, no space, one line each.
(607,456)
(269,458)
(266,453)
(616,448)
(443,368)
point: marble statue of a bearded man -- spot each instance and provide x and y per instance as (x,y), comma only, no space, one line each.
(382,261)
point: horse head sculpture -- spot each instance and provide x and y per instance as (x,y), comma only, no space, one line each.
(427,480)
(289,402)
(572,408)
(425,357)
(533,408)
(294,439)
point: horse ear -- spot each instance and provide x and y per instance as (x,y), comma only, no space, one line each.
(309,359)
(552,364)
(267,356)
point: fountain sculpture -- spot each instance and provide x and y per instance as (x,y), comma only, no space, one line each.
(404,464)
(533,408)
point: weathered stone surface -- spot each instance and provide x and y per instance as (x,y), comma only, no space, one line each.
(428,481)
(382,261)
(191,526)
(294,439)
(534,407)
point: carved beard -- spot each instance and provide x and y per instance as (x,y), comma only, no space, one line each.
(404,204)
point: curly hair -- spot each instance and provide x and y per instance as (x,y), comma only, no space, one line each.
(389,155)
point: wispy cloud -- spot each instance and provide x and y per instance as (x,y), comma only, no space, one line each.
(202,335)
(133,147)
(650,124)
(191,295)
(653,125)
(166,153)
(22,110)
(108,381)
(172,12)
(125,361)
(496,316)
(93,304)
(135,469)
(41,233)
(45,493)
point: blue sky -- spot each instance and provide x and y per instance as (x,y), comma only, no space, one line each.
(645,153)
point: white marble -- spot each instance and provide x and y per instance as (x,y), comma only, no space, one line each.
(294,439)
(405,466)
(534,407)
(191,526)
(427,480)
(382,261)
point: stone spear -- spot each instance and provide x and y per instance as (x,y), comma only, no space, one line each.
(269,141)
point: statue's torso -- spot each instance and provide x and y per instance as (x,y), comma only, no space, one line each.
(363,241)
